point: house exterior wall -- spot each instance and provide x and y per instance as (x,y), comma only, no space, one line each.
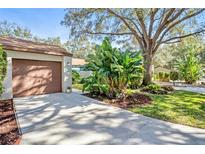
(67,74)
(33,56)
(66,69)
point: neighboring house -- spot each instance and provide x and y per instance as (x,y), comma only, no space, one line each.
(79,65)
(35,68)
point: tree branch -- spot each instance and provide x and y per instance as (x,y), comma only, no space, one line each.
(183,36)
(108,33)
(144,30)
(165,17)
(168,28)
(152,19)
(137,36)
(125,22)
(185,18)
(177,41)
(131,20)
(176,15)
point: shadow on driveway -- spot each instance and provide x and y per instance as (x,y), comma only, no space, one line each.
(75,119)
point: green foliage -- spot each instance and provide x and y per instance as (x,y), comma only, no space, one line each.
(162,76)
(75,77)
(174,75)
(114,68)
(166,77)
(49,40)
(136,81)
(14,30)
(94,85)
(77,86)
(80,48)
(8,29)
(3,68)
(154,89)
(167,55)
(189,66)
(134,23)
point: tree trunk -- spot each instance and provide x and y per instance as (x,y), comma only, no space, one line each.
(148,59)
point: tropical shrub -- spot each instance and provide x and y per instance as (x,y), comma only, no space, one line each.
(174,75)
(156,77)
(162,76)
(78,86)
(166,77)
(3,68)
(153,86)
(113,69)
(136,81)
(75,77)
(154,89)
(94,85)
(189,67)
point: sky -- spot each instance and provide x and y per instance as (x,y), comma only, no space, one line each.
(42,22)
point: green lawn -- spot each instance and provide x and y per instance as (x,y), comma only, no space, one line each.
(179,107)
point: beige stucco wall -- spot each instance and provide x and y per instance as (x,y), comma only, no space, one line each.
(67,73)
(33,56)
(66,69)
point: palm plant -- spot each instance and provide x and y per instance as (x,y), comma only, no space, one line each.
(94,85)
(114,68)
(127,68)
(189,67)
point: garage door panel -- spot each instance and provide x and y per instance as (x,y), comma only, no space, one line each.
(35,77)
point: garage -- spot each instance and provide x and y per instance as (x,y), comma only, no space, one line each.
(31,77)
(35,68)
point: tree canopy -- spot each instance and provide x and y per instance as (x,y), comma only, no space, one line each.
(80,48)
(15,30)
(167,54)
(150,28)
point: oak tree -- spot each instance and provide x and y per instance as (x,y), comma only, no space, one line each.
(150,28)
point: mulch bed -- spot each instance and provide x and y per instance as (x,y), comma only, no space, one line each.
(131,101)
(9,131)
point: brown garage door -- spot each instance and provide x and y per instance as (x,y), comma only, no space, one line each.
(32,77)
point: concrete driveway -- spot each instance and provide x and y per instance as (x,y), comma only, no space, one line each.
(76,119)
(200,90)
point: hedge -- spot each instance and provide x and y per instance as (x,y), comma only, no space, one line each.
(3,68)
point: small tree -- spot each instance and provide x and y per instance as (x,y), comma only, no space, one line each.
(189,67)
(3,68)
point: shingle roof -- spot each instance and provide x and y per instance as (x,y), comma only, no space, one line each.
(17,44)
(78,61)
